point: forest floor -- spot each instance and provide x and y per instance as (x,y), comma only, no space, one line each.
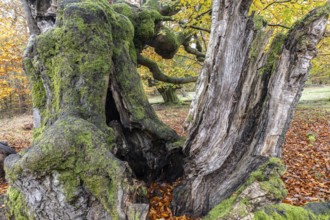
(306,151)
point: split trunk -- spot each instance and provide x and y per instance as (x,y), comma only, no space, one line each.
(97,139)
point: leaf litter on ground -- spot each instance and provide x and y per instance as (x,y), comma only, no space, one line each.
(306,153)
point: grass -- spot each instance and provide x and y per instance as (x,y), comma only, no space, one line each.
(312,97)
(316,97)
(158,99)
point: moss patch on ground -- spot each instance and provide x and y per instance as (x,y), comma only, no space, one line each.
(267,178)
(288,212)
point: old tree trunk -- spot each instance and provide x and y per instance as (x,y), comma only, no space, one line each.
(168,94)
(97,139)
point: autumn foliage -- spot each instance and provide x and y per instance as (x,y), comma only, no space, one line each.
(160,197)
(14,89)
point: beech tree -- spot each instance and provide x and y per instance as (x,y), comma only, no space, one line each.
(97,140)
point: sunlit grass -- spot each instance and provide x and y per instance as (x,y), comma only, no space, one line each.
(316,97)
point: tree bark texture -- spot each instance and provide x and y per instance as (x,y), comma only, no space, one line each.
(96,132)
(245,101)
(89,106)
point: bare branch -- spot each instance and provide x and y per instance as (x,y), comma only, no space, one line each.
(200,56)
(204,13)
(159,75)
(184,26)
(199,28)
(279,25)
(276,2)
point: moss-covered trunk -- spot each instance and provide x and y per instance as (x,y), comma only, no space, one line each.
(89,107)
(169,95)
(97,138)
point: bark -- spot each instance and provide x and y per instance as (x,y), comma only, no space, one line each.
(95,130)
(245,101)
(33,28)
(169,95)
(97,137)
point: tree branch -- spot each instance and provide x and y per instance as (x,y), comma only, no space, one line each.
(199,28)
(204,13)
(163,7)
(165,18)
(184,26)
(159,75)
(276,2)
(200,56)
(279,25)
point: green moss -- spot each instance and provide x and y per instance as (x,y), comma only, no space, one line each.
(287,212)
(260,36)
(267,176)
(71,183)
(39,94)
(177,144)
(79,153)
(37,88)
(261,215)
(222,209)
(143,20)
(124,9)
(16,202)
(75,59)
(274,53)
(146,28)
(259,22)
(255,49)
(73,62)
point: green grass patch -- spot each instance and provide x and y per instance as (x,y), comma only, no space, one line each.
(315,97)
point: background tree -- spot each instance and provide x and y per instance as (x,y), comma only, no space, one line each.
(181,65)
(96,131)
(191,19)
(320,73)
(281,15)
(194,17)
(14,92)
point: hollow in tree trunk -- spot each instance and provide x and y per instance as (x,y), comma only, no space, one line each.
(96,133)
(91,116)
